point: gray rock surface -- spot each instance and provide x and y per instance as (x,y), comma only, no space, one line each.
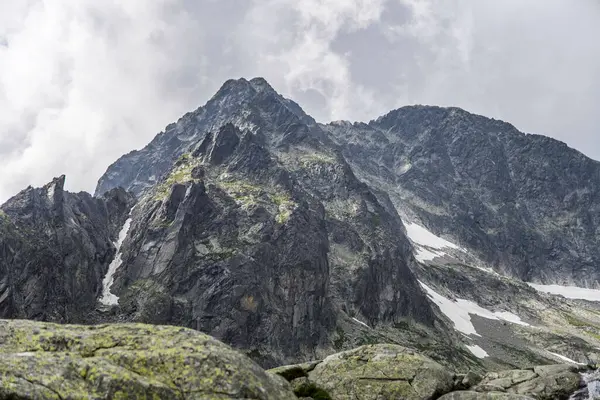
(126,361)
(468,395)
(541,382)
(526,204)
(381,372)
(55,248)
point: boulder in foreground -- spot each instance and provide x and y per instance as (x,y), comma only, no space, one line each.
(126,361)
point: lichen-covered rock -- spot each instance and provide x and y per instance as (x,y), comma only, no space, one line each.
(560,385)
(381,372)
(126,361)
(548,370)
(511,377)
(305,388)
(471,379)
(541,382)
(468,395)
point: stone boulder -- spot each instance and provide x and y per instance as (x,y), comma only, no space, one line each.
(542,382)
(126,361)
(382,371)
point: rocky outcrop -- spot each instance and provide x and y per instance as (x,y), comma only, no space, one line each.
(390,371)
(55,248)
(48,361)
(544,382)
(381,372)
(247,104)
(466,395)
(525,204)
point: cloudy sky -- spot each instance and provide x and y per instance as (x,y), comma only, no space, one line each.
(84,81)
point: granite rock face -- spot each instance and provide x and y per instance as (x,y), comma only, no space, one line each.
(136,361)
(525,204)
(55,248)
(261,235)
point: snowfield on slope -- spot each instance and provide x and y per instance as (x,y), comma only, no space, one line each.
(427,245)
(421,236)
(459,312)
(570,292)
(478,351)
(108,298)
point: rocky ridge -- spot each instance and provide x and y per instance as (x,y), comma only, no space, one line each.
(55,248)
(137,361)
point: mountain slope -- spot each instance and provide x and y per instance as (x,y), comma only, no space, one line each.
(264,238)
(527,205)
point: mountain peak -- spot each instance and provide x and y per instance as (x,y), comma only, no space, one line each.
(261,84)
(57,185)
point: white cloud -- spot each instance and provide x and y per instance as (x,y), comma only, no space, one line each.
(293,42)
(82,82)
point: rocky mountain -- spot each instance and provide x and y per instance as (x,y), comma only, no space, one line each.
(55,248)
(261,235)
(292,240)
(527,205)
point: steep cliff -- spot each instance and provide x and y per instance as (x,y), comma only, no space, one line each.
(55,247)
(527,205)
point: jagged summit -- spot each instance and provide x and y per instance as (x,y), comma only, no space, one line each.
(251,105)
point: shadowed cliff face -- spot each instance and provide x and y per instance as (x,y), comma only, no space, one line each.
(54,248)
(261,235)
(526,204)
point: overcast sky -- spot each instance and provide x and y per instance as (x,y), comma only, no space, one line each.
(85,81)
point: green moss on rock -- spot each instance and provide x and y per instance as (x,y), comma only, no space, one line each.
(128,361)
(381,371)
(246,194)
(181,173)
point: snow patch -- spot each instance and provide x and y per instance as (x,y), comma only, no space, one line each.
(563,358)
(427,245)
(51,190)
(484,269)
(420,235)
(108,298)
(360,322)
(422,254)
(570,292)
(510,317)
(478,351)
(459,312)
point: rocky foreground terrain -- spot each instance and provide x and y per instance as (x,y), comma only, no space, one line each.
(404,253)
(136,361)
